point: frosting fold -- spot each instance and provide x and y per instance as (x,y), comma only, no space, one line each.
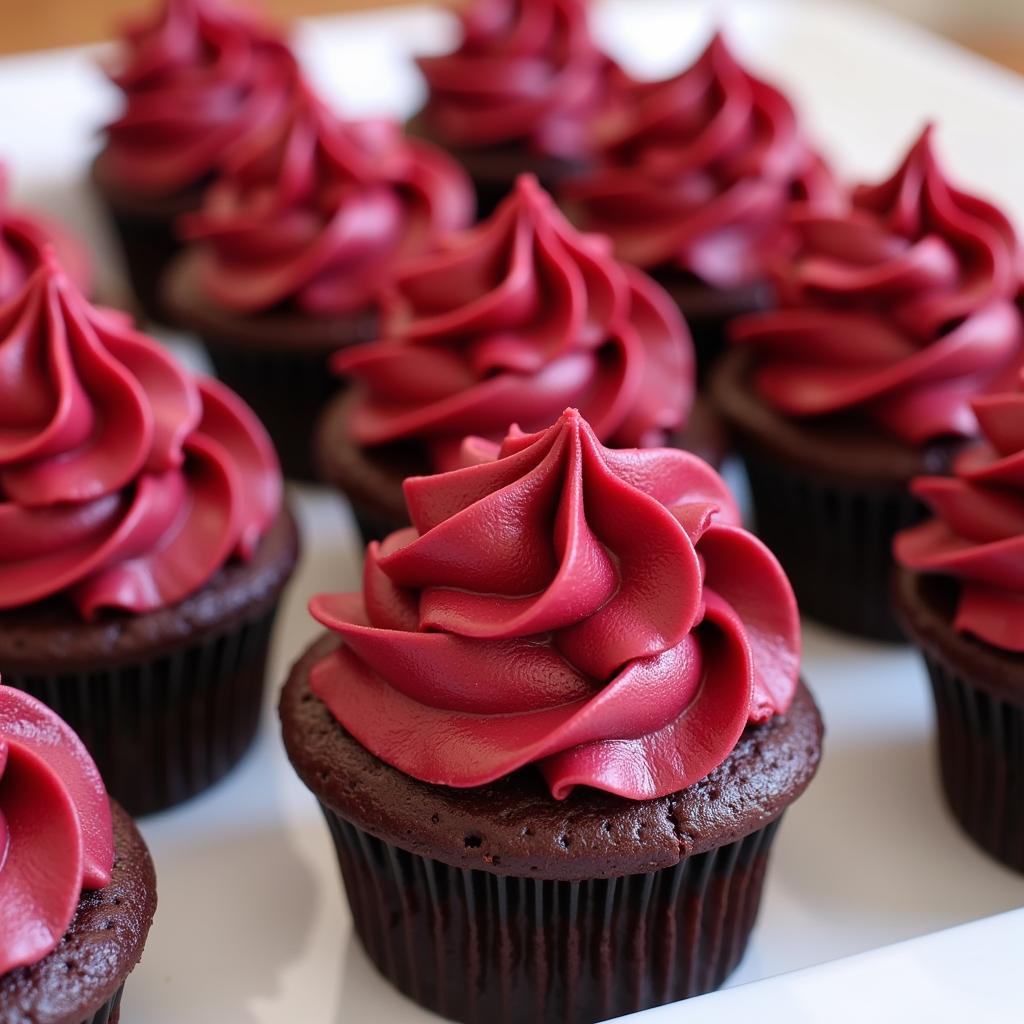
(125,482)
(56,836)
(900,308)
(512,321)
(597,613)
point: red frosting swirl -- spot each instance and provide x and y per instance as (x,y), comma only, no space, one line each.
(599,613)
(56,836)
(124,481)
(23,239)
(696,172)
(977,535)
(315,211)
(197,78)
(526,71)
(900,308)
(512,321)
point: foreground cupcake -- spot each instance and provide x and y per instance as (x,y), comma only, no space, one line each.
(694,178)
(960,595)
(563,711)
(293,246)
(892,315)
(520,93)
(509,322)
(197,76)
(77,889)
(143,545)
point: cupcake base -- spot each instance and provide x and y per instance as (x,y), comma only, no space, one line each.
(828,499)
(81,981)
(498,904)
(168,702)
(145,229)
(277,361)
(979,703)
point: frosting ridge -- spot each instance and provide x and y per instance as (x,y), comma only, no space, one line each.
(597,613)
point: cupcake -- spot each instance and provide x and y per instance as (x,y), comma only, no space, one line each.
(959,590)
(520,93)
(554,735)
(290,251)
(892,314)
(143,545)
(197,77)
(694,178)
(507,323)
(77,889)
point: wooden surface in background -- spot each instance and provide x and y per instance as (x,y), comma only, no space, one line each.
(36,24)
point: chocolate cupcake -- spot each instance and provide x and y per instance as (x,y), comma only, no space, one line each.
(960,596)
(694,178)
(520,93)
(506,323)
(197,77)
(554,735)
(891,316)
(292,248)
(143,545)
(77,889)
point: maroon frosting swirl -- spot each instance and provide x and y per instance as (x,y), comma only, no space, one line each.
(526,71)
(597,613)
(696,172)
(315,211)
(977,535)
(196,78)
(900,308)
(512,321)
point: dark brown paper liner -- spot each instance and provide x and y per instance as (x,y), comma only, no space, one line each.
(981,760)
(834,541)
(163,730)
(147,246)
(109,1012)
(480,947)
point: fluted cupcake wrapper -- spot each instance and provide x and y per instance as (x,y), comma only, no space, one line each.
(834,542)
(475,946)
(147,246)
(163,730)
(981,760)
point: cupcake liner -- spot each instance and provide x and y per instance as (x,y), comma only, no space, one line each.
(165,729)
(981,760)
(834,541)
(109,1012)
(476,946)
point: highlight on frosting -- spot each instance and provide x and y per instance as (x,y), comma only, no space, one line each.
(56,835)
(695,172)
(197,77)
(525,71)
(511,322)
(977,533)
(899,308)
(125,481)
(314,210)
(23,239)
(597,613)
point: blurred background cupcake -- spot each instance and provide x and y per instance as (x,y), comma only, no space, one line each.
(891,316)
(294,245)
(563,714)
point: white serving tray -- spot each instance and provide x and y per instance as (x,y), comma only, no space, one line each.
(252,927)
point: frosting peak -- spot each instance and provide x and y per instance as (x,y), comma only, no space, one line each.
(526,71)
(197,78)
(315,210)
(125,482)
(56,836)
(696,172)
(977,535)
(510,322)
(598,613)
(900,307)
